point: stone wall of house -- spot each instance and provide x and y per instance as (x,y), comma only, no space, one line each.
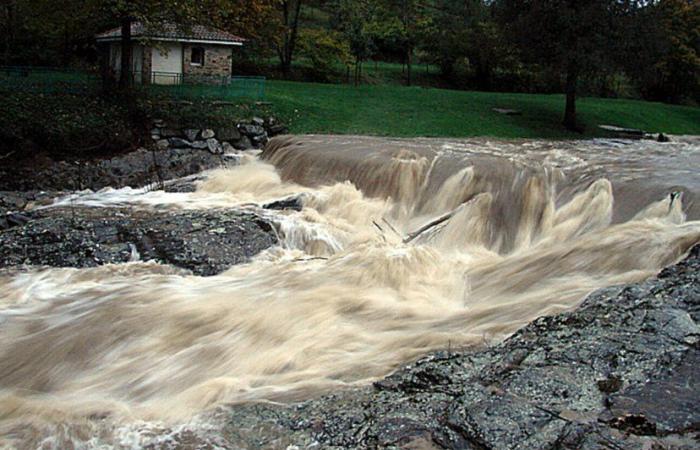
(217,62)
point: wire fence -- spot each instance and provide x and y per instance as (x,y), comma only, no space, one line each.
(47,80)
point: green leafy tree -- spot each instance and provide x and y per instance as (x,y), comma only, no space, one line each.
(289,17)
(325,49)
(572,37)
(666,47)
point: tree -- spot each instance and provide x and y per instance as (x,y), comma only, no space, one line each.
(413,20)
(356,20)
(571,36)
(290,14)
(666,47)
(323,48)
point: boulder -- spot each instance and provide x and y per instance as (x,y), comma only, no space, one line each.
(205,242)
(170,132)
(228,134)
(260,140)
(177,142)
(214,146)
(191,134)
(243,143)
(251,130)
(13,220)
(258,121)
(621,371)
(274,130)
(227,147)
(294,203)
(199,145)
(162,144)
(208,133)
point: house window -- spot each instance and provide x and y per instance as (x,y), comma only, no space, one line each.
(197,58)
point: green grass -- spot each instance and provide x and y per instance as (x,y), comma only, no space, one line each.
(412,111)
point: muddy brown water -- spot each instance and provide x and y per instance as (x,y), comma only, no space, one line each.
(108,355)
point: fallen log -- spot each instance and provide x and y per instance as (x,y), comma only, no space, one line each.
(445,217)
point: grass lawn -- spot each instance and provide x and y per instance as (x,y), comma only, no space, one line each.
(387,110)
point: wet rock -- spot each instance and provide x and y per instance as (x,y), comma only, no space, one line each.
(205,242)
(662,138)
(621,371)
(176,142)
(294,203)
(162,144)
(261,140)
(243,144)
(134,169)
(275,130)
(228,134)
(226,147)
(12,220)
(251,130)
(214,146)
(170,132)
(191,134)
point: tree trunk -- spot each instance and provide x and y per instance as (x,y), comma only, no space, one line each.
(9,32)
(409,54)
(291,28)
(570,110)
(125,77)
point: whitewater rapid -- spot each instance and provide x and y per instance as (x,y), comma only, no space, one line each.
(359,284)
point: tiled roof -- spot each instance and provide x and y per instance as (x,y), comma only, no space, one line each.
(171,31)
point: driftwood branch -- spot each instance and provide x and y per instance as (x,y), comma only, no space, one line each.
(391,226)
(430,225)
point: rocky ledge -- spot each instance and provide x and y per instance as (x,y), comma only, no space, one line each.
(205,242)
(173,152)
(622,371)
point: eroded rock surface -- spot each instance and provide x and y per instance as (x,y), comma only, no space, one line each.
(205,242)
(135,169)
(620,372)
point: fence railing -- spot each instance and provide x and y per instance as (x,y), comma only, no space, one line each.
(207,86)
(47,80)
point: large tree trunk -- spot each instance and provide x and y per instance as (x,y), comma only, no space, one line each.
(125,76)
(570,109)
(9,31)
(409,61)
(290,13)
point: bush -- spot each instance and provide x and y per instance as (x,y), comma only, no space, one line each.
(63,124)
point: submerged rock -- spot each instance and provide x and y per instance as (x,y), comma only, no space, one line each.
(205,242)
(622,371)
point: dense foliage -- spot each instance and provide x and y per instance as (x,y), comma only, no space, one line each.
(646,49)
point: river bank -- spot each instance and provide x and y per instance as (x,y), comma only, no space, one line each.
(275,301)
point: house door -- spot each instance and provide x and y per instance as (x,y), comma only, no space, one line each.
(166,64)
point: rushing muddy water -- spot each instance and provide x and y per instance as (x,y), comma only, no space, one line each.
(402,247)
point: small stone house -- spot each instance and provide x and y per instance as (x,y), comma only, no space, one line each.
(171,55)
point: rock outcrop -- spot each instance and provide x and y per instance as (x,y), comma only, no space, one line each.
(205,242)
(622,371)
